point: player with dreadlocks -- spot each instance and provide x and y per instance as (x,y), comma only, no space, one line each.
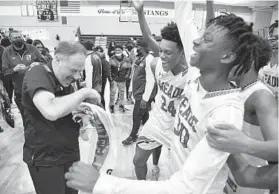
(208,99)
(269,73)
(260,122)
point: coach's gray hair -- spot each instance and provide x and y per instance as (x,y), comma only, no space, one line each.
(67,49)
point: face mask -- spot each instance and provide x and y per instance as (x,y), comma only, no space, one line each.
(118,54)
(18,43)
(129,48)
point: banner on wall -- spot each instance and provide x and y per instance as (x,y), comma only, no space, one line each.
(47,10)
(116,12)
(101,41)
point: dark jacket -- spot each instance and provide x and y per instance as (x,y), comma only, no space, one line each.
(120,70)
(139,79)
(11,58)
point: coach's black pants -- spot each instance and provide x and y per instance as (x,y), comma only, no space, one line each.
(51,180)
(139,115)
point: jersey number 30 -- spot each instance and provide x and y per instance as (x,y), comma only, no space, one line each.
(168,107)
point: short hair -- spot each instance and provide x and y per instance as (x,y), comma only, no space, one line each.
(66,49)
(242,38)
(170,32)
(98,48)
(29,41)
(118,46)
(5,42)
(36,41)
(88,45)
(14,31)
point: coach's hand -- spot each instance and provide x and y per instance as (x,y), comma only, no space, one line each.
(227,138)
(138,4)
(82,177)
(91,96)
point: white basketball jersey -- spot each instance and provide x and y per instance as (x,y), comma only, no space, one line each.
(170,89)
(254,132)
(269,75)
(194,112)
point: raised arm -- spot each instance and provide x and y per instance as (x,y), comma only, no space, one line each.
(209,12)
(147,35)
(186,25)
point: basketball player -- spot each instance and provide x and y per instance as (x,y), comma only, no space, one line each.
(269,73)
(208,99)
(261,113)
(171,81)
(169,72)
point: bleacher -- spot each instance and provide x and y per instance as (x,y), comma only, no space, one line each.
(119,39)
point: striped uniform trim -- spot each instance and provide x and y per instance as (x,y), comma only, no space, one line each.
(220,93)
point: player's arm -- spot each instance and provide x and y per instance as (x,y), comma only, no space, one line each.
(234,141)
(150,80)
(246,175)
(188,179)
(147,35)
(266,107)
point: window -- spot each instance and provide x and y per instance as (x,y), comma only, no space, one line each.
(27,8)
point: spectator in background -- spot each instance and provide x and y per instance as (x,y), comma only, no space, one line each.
(41,48)
(105,71)
(132,51)
(120,68)
(16,59)
(93,68)
(144,90)
(29,41)
(7,80)
(111,47)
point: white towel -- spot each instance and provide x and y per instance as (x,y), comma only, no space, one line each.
(97,140)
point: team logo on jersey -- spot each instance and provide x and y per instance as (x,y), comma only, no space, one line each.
(28,57)
(271,80)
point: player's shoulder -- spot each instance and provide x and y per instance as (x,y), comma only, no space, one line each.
(263,99)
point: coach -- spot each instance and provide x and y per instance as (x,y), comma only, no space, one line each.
(51,136)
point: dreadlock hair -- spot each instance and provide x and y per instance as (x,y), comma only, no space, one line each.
(243,39)
(170,32)
(264,53)
(273,26)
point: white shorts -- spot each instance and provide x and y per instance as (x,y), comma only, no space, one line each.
(155,134)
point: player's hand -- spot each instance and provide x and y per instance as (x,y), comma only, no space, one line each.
(82,177)
(19,67)
(227,138)
(92,96)
(143,104)
(138,4)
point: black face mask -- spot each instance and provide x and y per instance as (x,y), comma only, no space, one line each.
(129,48)
(17,43)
